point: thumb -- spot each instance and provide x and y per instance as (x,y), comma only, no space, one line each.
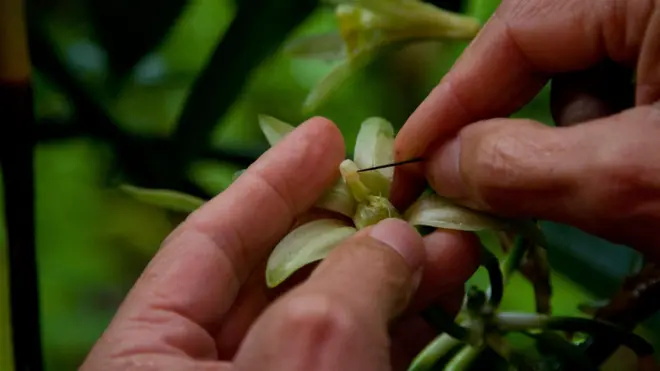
(338,319)
(596,175)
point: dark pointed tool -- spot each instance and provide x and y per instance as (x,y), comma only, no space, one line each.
(418,159)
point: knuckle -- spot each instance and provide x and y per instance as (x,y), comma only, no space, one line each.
(319,316)
(506,162)
(495,150)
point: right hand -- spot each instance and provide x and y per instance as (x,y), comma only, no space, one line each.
(602,175)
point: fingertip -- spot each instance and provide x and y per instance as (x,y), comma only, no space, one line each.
(327,133)
(452,257)
(408,183)
(443,169)
(402,238)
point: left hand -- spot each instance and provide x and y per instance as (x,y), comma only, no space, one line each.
(202,302)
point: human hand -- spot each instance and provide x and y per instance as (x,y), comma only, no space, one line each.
(602,175)
(202,302)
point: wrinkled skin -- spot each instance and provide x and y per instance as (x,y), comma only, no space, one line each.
(202,303)
(599,170)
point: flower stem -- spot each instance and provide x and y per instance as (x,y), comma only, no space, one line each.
(443,322)
(433,352)
(528,321)
(463,359)
(492,265)
(514,258)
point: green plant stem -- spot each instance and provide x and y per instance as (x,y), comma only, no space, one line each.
(433,352)
(441,321)
(492,265)
(6,348)
(529,321)
(514,258)
(17,162)
(464,358)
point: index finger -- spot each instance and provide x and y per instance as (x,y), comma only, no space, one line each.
(195,277)
(519,48)
(509,61)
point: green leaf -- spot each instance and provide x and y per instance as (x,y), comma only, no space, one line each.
(274,130)
(167,199)
(338,199)
(129,30)
(306,244)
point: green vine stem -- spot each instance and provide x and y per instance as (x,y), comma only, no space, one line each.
(495,276)
(532,321)
(17,161)
(464,358)
(433,352)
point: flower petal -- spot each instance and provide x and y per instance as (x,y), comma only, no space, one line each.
(338,199)
(331,82)
(274,130)
(328,46)
(418,19)
(433,210)
(306,244)
(375,145)
(377,183)
(167,199)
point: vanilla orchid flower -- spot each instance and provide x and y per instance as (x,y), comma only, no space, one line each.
(368,27)
(361,197)
(364,198)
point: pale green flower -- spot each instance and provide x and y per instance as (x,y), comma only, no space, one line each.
(368,27)
(364,198)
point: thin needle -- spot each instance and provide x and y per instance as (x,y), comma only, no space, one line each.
(419,159)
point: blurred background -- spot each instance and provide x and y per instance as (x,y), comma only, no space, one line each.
(132,91)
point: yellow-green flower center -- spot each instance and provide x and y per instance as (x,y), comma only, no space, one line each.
(372,205)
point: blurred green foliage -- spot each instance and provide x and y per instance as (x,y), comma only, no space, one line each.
(93,240)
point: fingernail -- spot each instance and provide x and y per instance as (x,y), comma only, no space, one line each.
(403,238)
(443,170)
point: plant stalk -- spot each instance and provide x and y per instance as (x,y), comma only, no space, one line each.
(17,161)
